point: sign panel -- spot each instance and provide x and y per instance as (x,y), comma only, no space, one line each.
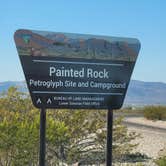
(65,70)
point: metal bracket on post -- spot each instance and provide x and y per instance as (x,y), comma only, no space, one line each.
(109,137)
(42,137)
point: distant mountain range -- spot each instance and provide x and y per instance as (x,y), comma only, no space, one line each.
(146,93)
(139,93)
(20,84)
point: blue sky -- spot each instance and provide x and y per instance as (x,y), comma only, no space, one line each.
(142,19)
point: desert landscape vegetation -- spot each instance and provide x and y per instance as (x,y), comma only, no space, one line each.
(78,137)
(105,32)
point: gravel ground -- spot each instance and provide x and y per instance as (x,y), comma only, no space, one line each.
(151,142)
(143,121)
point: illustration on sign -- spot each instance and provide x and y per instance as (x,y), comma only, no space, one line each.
(65,70)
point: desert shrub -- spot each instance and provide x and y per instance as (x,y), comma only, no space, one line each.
(155,112)
(161,161)
(72,136)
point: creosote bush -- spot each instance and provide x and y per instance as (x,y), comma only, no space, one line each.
(161,161)
(155,112)
(72,136)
